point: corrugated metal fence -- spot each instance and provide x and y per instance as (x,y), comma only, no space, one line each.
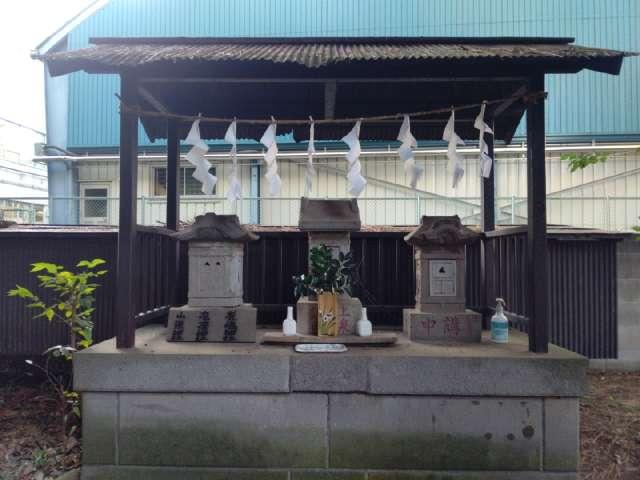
(582,282)
(582,287)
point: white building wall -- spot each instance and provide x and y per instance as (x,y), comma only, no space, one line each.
(603,195)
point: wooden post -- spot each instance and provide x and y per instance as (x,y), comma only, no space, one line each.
(488,191)
(173,207)
(488,224)
(537,222)
(173,174)
(126,283)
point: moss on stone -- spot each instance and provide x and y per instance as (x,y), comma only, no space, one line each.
(220,444)
(159,473)
(327,475)
(432,451)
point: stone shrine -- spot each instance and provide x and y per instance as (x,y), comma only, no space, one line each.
(440,312)
(330,223)
(215,311)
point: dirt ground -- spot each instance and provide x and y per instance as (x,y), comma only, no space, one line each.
(610,427)
(32,446)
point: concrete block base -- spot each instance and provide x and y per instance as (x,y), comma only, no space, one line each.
(414,411)
(212,324)
(349,311)
(110,472)
(450,327)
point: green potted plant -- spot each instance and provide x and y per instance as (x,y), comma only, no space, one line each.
(328,277)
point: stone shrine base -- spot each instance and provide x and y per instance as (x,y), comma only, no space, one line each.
(465,326)
(407,412)
(212,324)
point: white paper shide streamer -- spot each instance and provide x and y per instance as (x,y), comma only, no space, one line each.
(311,171)
(269,141)
(455,160)
(408,143)
(235,189)
(485,160)
(356,181)
(196,158)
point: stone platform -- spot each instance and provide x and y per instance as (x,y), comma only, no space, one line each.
(407,412)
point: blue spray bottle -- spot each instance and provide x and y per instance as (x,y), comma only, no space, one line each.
(499,324)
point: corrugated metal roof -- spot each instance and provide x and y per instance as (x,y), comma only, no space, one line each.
(115,54)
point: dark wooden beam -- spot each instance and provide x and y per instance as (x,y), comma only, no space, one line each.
(330,89)
(488,190)
(173,207)
(504,106)
(173,174)
(153,101)
(325,80)
(537,223)
(488,224)
(126,284)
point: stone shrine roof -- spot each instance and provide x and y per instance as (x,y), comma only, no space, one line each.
(324,215)
(441,231)
(216,228)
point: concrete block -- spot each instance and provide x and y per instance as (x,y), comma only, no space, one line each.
(628,336)
(629,289)
(561,434)
(391,432)
(212,324)
(223,430)
(349,312)
(448,327)
(99,425)
(477,376)
(629,313)
(466,475)
(625,265)
(172,473)
(327,475)
(132,372)
(325,373)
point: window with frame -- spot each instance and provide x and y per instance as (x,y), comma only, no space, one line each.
(95,203)
(187,185)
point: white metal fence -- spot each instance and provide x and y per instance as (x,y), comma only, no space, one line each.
(607,213)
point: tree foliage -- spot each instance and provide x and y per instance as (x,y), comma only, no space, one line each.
(73,299)
(581,160)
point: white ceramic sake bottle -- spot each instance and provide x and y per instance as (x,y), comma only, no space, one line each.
(364,326)
(289,326)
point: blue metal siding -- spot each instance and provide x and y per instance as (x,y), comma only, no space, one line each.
(587,105)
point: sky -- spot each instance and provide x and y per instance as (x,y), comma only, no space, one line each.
(23,25)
